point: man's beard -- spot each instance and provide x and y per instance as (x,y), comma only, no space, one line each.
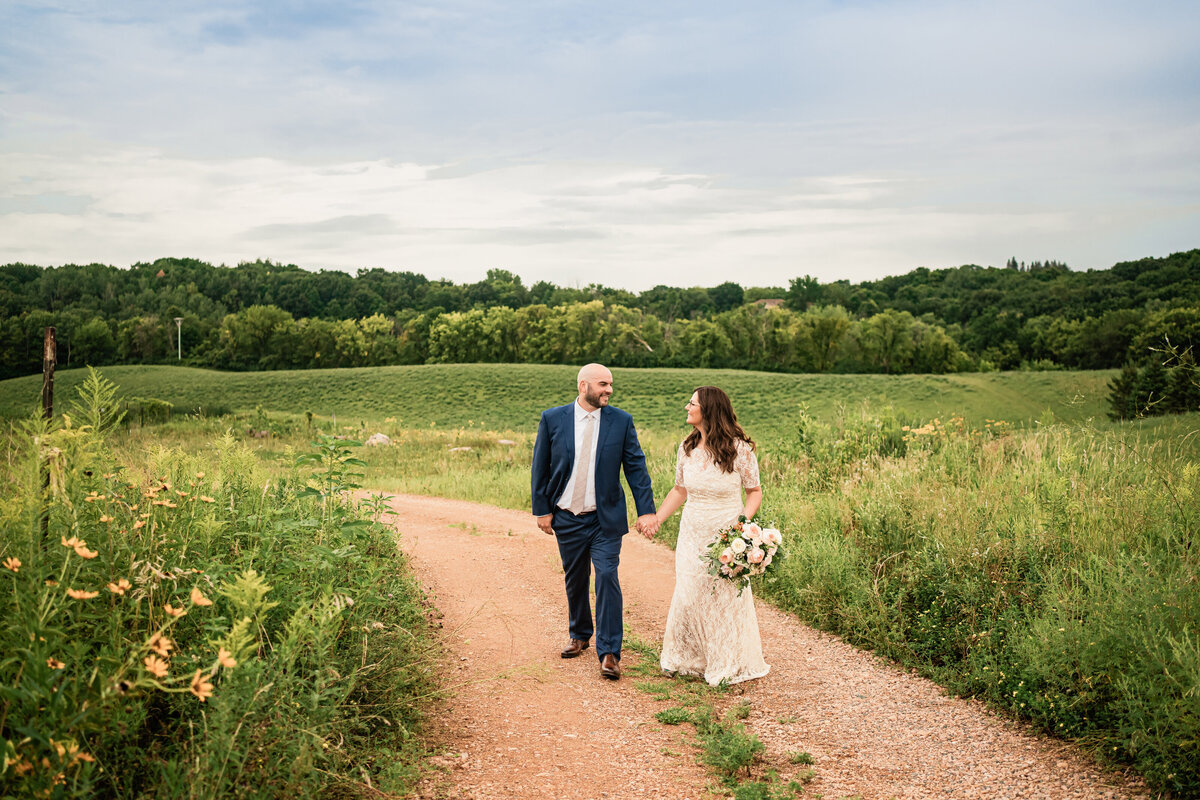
(593,399)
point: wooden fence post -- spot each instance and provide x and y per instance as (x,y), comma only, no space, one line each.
(49,359)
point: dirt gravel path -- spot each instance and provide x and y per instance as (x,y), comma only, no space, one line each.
(521,722)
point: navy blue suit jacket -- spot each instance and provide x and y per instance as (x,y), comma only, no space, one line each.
(554,456)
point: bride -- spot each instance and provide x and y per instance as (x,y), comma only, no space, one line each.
(712,632)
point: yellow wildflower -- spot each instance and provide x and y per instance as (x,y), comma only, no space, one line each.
(73,542)
(174,612)
(207,499)
(161,645)
(54,663)
(226,659)
(199,474)
(156,666)
(80,594)
(12,563)
(139,524)
(201,687)
(199,599)
(82,551)
(107,518)
(82,756)
(120,587)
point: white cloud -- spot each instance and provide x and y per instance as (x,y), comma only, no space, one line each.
(632,144)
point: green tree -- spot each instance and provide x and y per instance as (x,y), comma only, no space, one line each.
(826,328)
(804,292)
(245,336)
(725,297)
(1120,393)
(94,343)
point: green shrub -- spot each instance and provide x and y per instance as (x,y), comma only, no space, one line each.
(191,627)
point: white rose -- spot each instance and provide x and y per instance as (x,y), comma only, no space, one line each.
(738,545)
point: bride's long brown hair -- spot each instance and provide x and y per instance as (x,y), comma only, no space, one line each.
(721,429)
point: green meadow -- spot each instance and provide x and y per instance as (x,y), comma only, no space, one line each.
(510,396)
(996,532)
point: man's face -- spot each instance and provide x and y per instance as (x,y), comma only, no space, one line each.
(596,390)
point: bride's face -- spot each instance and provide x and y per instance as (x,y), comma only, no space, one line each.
(694,418)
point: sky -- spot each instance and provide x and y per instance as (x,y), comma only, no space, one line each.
(624,143)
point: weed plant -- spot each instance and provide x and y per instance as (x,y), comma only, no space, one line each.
(192,627)
(1052,572)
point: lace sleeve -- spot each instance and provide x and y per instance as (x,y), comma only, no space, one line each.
(746,465)
(679,466)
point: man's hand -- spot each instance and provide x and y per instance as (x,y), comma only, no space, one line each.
(545,524)
(647,525)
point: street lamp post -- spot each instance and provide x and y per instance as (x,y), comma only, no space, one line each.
(179,336)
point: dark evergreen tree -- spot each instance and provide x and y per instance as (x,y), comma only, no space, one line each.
(1150,389)
(1120,393)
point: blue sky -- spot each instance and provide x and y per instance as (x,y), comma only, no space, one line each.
(628,144)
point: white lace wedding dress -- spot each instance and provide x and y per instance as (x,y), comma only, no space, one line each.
(711,631)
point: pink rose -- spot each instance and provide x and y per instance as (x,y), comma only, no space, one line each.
(755,556)
(752,530)
(726,556)
(726,571)
(772,536)
(767,561)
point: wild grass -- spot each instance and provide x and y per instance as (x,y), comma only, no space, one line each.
(1049,568)
(1052,571)
(192,626)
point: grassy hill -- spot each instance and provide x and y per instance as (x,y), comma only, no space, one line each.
(509,396)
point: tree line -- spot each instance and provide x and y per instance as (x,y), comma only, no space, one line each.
(263,315)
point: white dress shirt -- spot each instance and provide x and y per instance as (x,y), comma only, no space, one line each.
(589,497)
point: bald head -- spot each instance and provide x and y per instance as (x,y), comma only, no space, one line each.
(595,386)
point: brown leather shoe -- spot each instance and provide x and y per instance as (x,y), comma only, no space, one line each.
(576,647)
(610,668)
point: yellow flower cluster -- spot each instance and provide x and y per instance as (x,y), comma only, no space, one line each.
(79,546)
(937,429)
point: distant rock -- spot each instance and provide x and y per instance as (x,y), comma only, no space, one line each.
(458,449)
(378,440)
(505,441)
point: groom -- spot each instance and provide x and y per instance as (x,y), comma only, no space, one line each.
(577,498)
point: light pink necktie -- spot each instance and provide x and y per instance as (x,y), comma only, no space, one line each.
(582,475)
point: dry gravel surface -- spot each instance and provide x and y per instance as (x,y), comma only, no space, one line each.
(521,722)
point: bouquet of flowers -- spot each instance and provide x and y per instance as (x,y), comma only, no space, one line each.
(742,551)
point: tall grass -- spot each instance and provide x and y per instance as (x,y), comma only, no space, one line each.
(1052,572)
(195,627)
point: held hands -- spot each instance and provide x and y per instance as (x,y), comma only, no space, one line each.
(647,525)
